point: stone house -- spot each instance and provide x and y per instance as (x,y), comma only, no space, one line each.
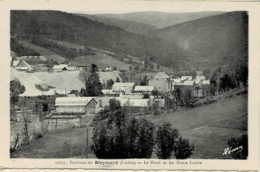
(161,81)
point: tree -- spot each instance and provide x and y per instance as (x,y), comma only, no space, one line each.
(83,75)
(110,83)
(188,97)
(235,143)
(138,138)
(165,140)
(144,81)
(91,81)
(183,149)
(116,135)
(169,102)
(155,93)
(16,88)
(145,96)
(153,106)
(50,64)
(117,79)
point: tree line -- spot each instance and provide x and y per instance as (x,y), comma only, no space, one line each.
(117,134)
(21,50)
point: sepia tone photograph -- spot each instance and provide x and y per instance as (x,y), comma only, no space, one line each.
(130,85)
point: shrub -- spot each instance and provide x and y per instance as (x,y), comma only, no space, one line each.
(183,149)
(165,139)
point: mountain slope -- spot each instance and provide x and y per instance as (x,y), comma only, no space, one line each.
(160,19)
(131,26)
(80,30)
(217,39)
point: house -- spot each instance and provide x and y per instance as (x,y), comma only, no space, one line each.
(199,73)
(78,66)
(184,78)
(131,96)
(161,81)
(126,87)
(198,79)
(15,63)
(86,105)
(23,65)
(184,84)
(143,89)
(139,103)
(111,93)
(60,67)
(109,68)
(206,82)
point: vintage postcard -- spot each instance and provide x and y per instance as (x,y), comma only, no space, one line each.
(133,85)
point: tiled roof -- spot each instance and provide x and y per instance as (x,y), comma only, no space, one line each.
(72,101)
(161,75)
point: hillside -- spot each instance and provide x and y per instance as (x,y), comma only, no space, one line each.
(80,30)
(218,40)
(160,19)
(130,26)
(209,127)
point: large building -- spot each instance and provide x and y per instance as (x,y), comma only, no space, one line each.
(126,87)
(23,65)
(161,81)
(81,105)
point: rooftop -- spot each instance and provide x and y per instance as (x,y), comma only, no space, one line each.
(161,75)
(123,84)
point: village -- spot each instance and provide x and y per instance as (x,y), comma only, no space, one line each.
(100,91)
(128,93)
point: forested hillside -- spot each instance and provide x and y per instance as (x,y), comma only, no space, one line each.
(131,26)
(218,40)
(39,25)
(196,45)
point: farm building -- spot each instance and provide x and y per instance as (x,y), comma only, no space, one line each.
(86,105)
(126,87)
(185,84)
(78,66)
(144,89)
(161,82)
(23,65)
(140,103)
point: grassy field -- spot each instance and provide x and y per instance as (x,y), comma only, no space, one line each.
(207,127)
(102,60)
